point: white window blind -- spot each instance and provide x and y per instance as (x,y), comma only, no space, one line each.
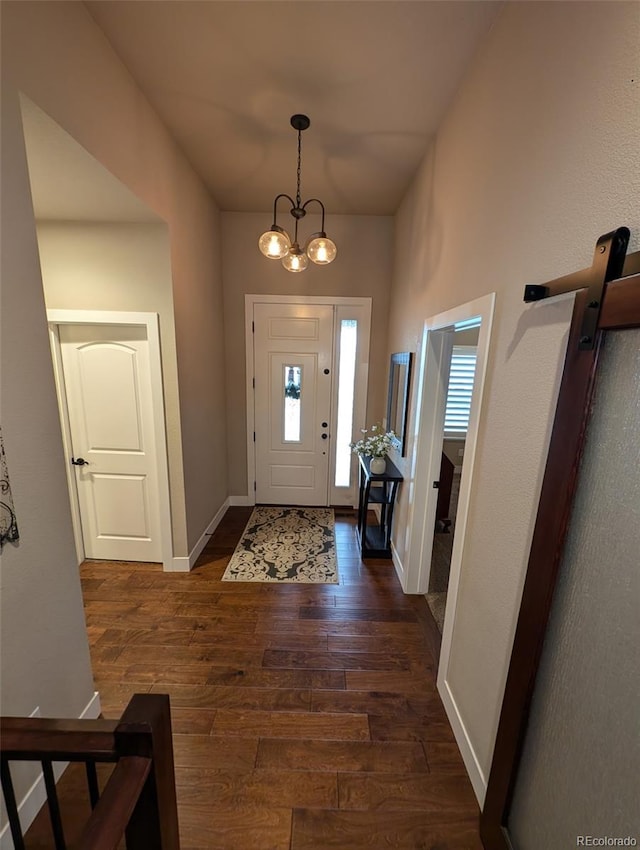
(463,367)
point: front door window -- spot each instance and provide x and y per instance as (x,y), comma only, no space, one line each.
(292,404)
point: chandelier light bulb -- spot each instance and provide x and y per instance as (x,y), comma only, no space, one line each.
(321,250)
(295,260)
(274,244)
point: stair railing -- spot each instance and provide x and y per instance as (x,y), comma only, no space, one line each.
(139,800)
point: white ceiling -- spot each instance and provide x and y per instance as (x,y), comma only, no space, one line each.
(375,77)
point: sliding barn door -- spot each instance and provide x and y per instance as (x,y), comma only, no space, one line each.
(579,770)
(565,768)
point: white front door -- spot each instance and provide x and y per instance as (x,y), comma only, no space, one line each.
(109,399)
(293,376)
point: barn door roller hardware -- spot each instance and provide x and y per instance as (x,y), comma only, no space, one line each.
(608,261)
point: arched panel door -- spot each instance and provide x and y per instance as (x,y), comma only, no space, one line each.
(108,389)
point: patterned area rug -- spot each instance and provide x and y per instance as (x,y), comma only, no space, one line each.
(287,545)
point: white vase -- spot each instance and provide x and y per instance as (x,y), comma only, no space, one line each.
(378,465)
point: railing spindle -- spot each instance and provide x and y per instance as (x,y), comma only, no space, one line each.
(54,806)
(11,806)
(92,783)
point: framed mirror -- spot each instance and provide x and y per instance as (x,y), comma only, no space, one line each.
(398,398)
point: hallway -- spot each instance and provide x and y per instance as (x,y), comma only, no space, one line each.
(304,716)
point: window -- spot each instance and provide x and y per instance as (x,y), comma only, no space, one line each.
(463,367)
(346,392)
(291,398)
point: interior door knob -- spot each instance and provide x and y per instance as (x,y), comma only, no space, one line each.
(325,424)
(79,461)
(324,436)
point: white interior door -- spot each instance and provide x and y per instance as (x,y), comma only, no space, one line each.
(293,346)
(109,399)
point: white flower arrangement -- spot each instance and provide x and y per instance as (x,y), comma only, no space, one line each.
(375,443)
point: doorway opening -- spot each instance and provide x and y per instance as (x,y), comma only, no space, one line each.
(460,383)
(105,260)
(109,385)
(435,357)
(433,381)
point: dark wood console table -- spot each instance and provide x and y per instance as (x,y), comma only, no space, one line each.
(375,540)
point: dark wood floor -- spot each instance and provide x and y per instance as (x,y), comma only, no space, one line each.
(305,717)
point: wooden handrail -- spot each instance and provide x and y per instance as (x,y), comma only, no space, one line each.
(110,818)
(139,800)
(36,738)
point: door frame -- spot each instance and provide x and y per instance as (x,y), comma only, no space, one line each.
(149,321)
(434,358)
(362,370)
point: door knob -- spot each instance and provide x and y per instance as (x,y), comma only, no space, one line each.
(324,436)
(79,461)
(325,424)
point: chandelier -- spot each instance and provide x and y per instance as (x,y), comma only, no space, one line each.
(276,243)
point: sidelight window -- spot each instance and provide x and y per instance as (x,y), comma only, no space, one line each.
(346,391)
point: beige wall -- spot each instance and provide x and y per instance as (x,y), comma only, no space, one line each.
(45,654)
(362,268)
(451,449)
(468,337)
(104,266)
(56,55)
(536,158)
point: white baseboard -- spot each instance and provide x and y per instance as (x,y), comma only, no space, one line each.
(36,796)
(179,565)
(476,775)
(186,563)
(239,502)
(93,709)
(397,563)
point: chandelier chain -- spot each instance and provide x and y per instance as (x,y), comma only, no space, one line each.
(298,198)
